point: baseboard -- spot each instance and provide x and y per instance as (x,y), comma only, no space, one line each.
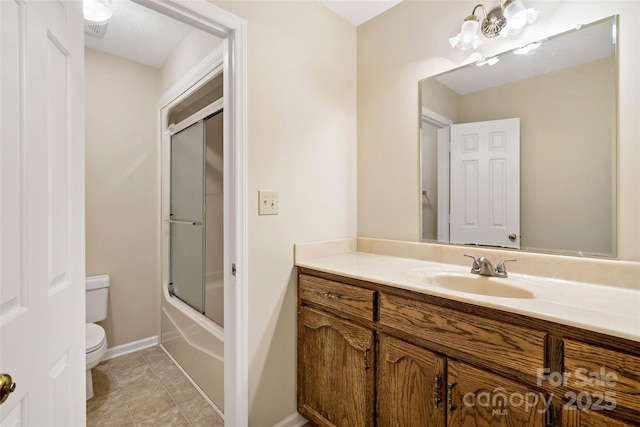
(127,348)
(293,420)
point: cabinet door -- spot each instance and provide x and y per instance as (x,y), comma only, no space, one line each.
(572,417)
(602,378)
(335,370)
(478,398)
(411,390)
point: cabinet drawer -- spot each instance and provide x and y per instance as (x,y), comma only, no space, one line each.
(611,377)
(515,347)
(338,296)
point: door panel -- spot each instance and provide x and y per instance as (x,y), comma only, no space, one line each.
(573,417)
(187,212)
(482,399)
(411,389)
(12,144)
(42,212)
(188,173)
(485,183)
(187,264)
(335,375)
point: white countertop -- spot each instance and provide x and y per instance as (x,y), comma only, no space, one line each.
(609,310)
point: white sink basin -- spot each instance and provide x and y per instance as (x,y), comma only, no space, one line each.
(480,285)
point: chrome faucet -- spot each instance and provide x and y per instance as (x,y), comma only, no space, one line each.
(483,266)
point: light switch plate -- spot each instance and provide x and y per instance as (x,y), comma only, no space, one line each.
(268,203)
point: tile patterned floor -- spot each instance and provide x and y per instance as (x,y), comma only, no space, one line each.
(146,389)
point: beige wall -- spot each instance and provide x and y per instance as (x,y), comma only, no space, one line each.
(408,43)
(193,49)
(302,143)
(121,201)
(440,99)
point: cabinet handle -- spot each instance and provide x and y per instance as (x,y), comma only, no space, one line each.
(331,296)
(450,398)
(436,391)
(366,359)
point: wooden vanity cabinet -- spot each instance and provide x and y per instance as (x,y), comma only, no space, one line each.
(417,387)
(518,348)
(602,379)
(477,397)
(335,376)
(370,355)
(335,355)
(586,418)
(411,385)
(600,376)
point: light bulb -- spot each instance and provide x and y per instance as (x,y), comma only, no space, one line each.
(97,11)
(517,17)
(468,37)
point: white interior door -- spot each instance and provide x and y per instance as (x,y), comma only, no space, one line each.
(42,337)
(485,183)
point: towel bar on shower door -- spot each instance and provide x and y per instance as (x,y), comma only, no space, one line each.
(177,221)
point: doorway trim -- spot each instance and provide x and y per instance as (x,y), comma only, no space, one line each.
(443,124)
(207,17)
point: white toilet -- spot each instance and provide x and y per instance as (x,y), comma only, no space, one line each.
(96,295)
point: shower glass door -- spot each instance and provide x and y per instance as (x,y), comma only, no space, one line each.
(187,216)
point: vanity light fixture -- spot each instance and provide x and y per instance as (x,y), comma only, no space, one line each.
(97,11)
(507,19)
(517,17)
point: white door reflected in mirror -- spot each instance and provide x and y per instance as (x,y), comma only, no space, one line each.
(485,183)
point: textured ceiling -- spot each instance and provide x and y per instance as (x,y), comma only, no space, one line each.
(359,11)
(145,36)
(139,34)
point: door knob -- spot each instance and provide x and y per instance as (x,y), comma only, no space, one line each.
(513,237)
(7,386)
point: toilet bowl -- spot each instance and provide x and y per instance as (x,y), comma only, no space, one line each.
(96,347)
(96,294)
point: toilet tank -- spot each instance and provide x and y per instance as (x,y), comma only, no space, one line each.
(96,297)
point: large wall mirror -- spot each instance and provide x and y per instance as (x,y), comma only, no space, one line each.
(519,150)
